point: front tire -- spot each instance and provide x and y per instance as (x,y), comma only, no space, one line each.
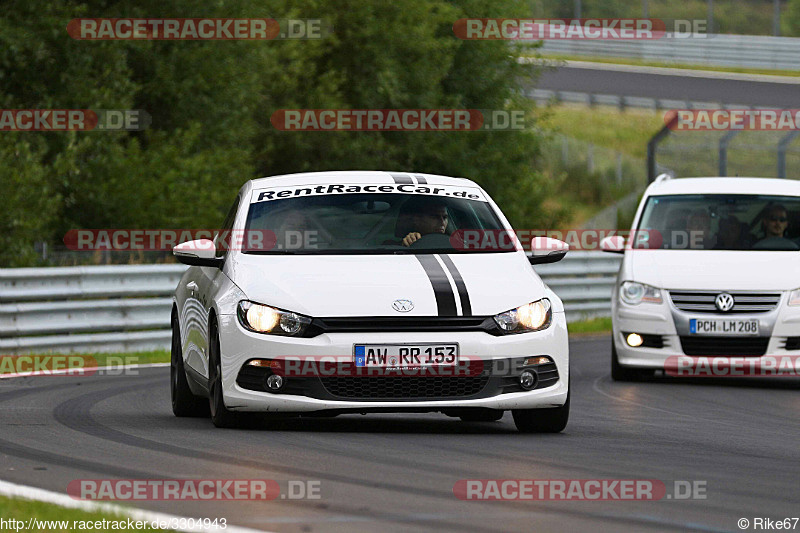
(184,403)
(220,415)
(550,420)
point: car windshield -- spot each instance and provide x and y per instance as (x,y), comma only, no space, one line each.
(367,223)
(720,222)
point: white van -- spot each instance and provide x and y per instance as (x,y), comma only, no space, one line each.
(712,268)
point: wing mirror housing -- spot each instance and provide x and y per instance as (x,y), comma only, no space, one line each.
(546,250)
(200,252)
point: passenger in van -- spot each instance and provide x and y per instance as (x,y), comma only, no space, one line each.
(698,226)
(775,221)
(675,229)
(732,235)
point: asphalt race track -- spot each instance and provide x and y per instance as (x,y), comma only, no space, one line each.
(389,472)
(647,82)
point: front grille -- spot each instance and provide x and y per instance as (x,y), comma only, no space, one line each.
(792,343)
(744,302)
(403,388)
(724,345)
(415,324)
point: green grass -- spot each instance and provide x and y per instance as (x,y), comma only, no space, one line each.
(132,358)
(7,365)
(23,510)
(625,131)
(668,64)
(592,325)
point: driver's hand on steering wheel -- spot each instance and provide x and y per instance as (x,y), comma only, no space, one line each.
(410,238)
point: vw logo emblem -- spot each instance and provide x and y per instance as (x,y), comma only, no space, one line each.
(402,306)
(724,302)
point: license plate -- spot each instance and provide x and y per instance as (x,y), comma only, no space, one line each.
(701,326)
(405,355)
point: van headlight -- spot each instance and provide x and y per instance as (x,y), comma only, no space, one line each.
(534,316)
(633,293)
(794,297)
(266,319)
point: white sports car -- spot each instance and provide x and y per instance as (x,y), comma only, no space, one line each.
(354,292)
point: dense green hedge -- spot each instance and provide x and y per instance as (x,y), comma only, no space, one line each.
(211,104)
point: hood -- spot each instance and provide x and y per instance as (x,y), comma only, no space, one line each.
(367,285)
(715,270)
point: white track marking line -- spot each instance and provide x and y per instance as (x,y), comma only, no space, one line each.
(25,492)
(79,371)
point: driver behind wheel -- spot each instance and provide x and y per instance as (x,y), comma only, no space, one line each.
(420,217)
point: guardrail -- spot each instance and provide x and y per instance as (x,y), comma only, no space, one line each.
(623,102)
(756,51)
(127,308)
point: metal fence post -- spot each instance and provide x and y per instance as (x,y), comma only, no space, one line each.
(652,145)
(723,151)
(783,144)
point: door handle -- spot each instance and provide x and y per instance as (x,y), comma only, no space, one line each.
(192,286)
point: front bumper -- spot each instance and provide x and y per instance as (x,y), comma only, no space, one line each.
(670,325)
(238,345)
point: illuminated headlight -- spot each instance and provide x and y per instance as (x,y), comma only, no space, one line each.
(265,319)
(633,293)
(794,297)
(534,316)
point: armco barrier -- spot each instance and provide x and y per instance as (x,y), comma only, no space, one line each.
(754,51)
(127,308)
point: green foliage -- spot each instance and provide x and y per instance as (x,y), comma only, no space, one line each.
(29,198)
(790,19)
(211,104)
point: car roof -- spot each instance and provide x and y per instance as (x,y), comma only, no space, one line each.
(725,186)
(356,176)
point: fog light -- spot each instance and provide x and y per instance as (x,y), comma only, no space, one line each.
(274,382)
(264,363)
(634,340)
(527,379)
(541,360)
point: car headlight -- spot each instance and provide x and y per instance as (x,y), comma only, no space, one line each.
(634,293)
(265,319)
(534,316)
(794,297)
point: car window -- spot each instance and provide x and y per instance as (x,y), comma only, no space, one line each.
(721,222)
(223,239)
(366,223)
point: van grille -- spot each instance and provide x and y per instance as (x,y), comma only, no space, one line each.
(744,302)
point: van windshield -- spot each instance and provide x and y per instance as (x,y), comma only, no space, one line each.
(721,222)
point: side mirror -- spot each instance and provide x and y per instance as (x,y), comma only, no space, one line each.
(201,252)
(614,244)
(546,250)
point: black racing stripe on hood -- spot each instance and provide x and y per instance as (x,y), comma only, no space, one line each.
(445,299)
(421,179)
(463,294)
(401,179)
